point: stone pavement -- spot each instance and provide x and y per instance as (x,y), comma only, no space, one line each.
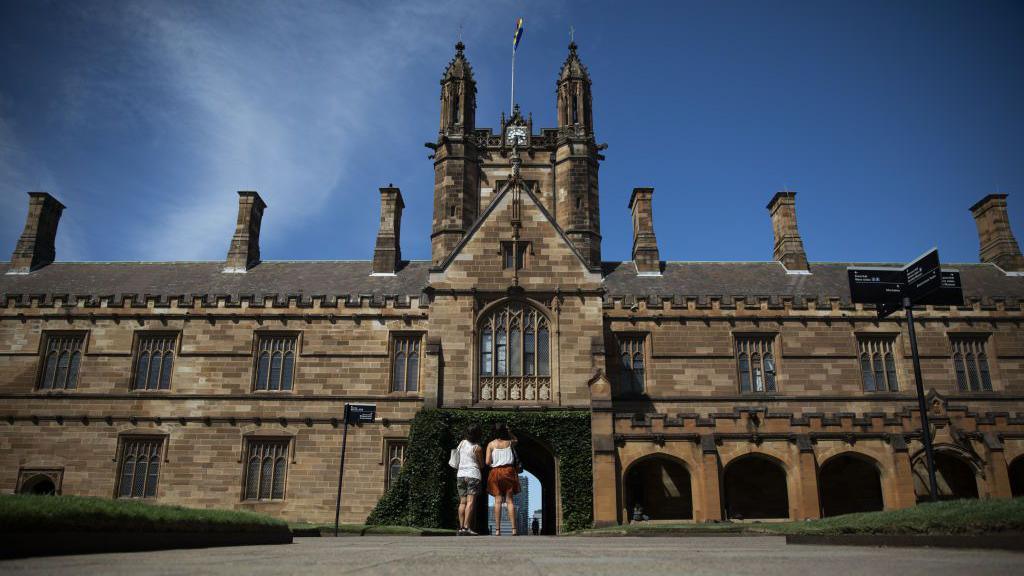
(761,556)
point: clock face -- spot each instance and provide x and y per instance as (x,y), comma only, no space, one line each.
(516,135)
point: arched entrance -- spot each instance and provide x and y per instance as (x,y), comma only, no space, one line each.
(954,474)
(40,485)
(754,487)
(658,488)
(850,483)
(537,459)
(1016,471)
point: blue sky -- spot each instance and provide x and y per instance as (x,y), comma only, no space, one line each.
(888,118)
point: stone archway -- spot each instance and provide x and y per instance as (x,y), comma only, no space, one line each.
(1016,472)
(956,476)
(539,460)
(40,484)
(660,486)
(850,482)
(754,487)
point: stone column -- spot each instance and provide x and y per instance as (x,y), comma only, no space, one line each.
(807,476)
(645,245)
(244,252)
(710,504)
(789,246)
(995,237)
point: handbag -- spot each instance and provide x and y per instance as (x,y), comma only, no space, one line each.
(453,459)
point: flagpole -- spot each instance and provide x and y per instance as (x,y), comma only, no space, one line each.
(512,104)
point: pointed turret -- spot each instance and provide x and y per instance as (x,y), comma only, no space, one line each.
(458,95)
(577,160)
(456,163)
(574,103)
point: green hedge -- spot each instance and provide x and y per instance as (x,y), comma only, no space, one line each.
(424,494)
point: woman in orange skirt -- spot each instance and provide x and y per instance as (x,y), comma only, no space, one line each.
(503,479)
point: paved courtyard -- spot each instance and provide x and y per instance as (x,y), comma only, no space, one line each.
(532,555)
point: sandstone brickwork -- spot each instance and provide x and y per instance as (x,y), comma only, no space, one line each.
(716,390)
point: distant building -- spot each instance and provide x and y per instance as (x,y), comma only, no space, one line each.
(522,503)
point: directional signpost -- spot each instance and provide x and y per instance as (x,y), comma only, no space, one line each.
(921,282)
(362,414)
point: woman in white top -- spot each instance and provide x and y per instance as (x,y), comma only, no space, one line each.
(503,479)
(468,478)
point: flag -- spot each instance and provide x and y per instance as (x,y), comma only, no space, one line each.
(519,34)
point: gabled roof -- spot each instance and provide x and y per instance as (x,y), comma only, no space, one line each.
(506,189)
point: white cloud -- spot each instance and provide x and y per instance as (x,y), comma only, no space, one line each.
(273,97)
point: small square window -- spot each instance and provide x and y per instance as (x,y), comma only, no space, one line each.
(405,362)
(266,468)
(62,358)
(631,360)
(395,450)
(755,363)
(154,361)
(275,362)
(878,363)
(513,254)
(140,467)
(971,364)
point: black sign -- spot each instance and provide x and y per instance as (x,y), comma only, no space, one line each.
(922,281)
(876,285)
(950,292)
(922,276)
(362,413)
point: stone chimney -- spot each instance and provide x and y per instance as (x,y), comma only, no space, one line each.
(789,246)
(387,254)
(998,245)
(645,245)
(244,252)
(35,248)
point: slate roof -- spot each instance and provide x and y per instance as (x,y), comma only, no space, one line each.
(283,279)
(352,279)
(757,279)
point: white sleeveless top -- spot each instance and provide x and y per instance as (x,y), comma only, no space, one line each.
(468,466)
(501,457)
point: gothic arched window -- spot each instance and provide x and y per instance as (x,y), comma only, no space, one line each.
(514,355)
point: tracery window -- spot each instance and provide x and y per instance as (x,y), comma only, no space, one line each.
(515,354)
(405,362)
(275,362)
(755,362)
(878,364)
(631,361)
(266,468)
(62,358)
(140,467)
(154,362)
(395,460)
(971,364)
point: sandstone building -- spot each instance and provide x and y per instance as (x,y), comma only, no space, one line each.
(715,389)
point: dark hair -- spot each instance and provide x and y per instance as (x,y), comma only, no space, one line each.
(501,431)
(473,433)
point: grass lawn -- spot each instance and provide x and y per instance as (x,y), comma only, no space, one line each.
(955,517)
(23,513)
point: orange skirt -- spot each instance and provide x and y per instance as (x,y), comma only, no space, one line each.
(502,480)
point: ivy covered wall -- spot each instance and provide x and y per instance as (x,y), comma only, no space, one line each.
(424,494)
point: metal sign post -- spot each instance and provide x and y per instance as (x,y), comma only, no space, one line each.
(922,406)
(362,413)
(920,282)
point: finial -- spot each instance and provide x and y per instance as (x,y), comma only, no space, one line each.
(459,46)
(515,110)
(572,46)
